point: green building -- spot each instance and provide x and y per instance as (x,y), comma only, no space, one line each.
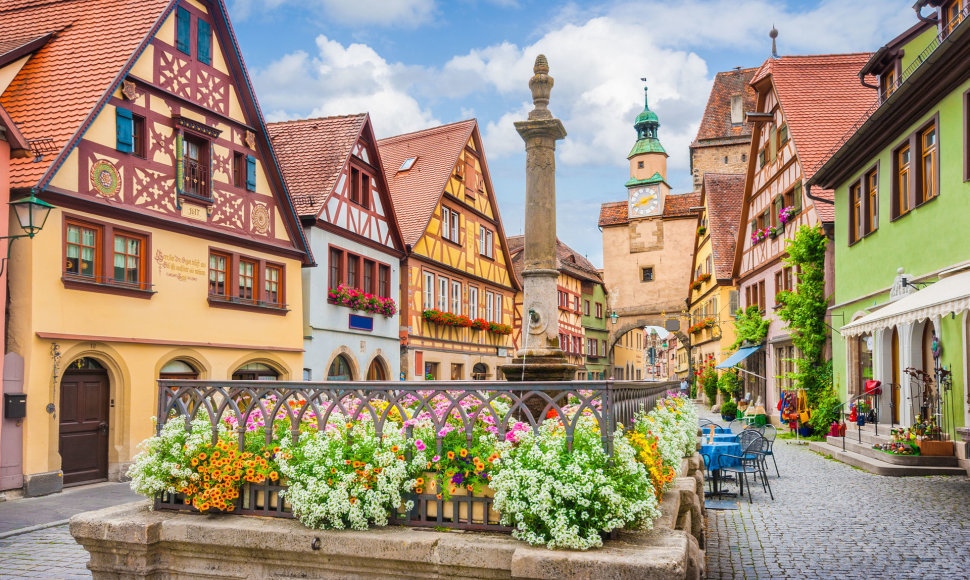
(902,247)
(594,329)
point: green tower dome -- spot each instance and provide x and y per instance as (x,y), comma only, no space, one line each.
(646,125)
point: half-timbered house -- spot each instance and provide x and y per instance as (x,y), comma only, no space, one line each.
(457,286)
(336,181)
(805,104)
(173,250)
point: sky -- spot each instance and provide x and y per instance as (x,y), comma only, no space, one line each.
(414,64)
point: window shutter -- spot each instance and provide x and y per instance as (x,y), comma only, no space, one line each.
(205,42)
(798,197)
(123,124)
(179,166)
(733,302)
(779,204)
(250,173)
(183,25)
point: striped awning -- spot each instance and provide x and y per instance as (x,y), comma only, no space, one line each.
(948,296)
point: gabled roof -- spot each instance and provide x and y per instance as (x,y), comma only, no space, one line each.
(417,191)
(72,74)
(680,205)
(723,194)
(821,98)
(567,260)
(66,78)
(312,153)
(614,213)
(716,126)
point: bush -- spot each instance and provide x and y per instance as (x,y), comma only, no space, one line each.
(827,412)
(708,380)
(729,408)
(728,384)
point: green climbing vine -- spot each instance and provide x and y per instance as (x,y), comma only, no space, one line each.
(803,310)
(750,326)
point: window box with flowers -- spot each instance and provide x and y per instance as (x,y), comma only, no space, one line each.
(496,328)
(708,322)
(759,235)
(446,318)
(701,231)
(786,216)
(363,301)
(696,284)
(480,324)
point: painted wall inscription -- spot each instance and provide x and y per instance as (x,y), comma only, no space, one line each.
(180,267)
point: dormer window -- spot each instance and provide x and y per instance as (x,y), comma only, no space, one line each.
(408,164)
(887,82)
(951,15)
(737,109)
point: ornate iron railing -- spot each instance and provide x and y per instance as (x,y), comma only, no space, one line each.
(611,403)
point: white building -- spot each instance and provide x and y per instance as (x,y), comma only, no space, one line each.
(335,178)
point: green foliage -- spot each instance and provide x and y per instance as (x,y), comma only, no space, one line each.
(804,309)
(708,380)
(750,326)
(729,408)
(728,383)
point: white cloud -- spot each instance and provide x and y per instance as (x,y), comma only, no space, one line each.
(356,13)
(341,80)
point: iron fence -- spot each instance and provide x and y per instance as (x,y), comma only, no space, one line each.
(611,403)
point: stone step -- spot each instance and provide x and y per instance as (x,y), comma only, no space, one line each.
(879,467)
(867,450)
(868,436)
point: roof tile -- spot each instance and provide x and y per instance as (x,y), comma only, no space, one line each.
(723,195)
(567,259)
(716,125)
(614,213)
(680,205)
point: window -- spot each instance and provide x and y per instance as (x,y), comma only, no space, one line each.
(793,198)
(489,306)
(782,136)
(473,302)
(457,371)
(646,274)
(428,291)
(787,278)
(585,307)
(138,135)
(183,27)
(129,259)
(599,310)
(744,158)
(498,308)
(855,212)
(901,200)
(367,275)
(218,274)
(355,185)
(238,169)
(247,276)
(455,297)
(431,371)
(336,267)
(82,250)
(929,179)
(762,158)
(353,271)
(576,303)
(130,132)
(952,16)
(709,265)
(360,187)
(639,164)
(442,294)
(485,243)
(408,164)
(449,224)
(271,289)
(365,190)
(872,200)
(384,281)
(761,295)
(195,166)
(887,82)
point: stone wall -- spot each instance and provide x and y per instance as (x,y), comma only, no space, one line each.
(711,160)
(130,541)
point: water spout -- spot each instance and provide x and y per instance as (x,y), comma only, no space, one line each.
(533,316)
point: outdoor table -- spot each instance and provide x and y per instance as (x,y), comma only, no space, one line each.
(717,453)
(725,437)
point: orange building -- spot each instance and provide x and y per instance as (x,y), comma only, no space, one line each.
(457,287)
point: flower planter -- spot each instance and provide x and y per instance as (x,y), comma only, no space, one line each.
(935,448)
(448,507)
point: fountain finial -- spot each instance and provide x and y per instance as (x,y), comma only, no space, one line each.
(541,85)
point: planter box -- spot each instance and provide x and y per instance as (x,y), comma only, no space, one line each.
(456,509)
(935,448)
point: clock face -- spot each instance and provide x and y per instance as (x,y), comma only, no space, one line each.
(644,201)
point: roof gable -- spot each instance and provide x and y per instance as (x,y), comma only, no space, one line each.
(716,125)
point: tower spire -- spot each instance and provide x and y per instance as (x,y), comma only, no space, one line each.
(774,44)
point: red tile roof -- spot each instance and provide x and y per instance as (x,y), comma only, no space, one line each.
(567,259)
(723,195)
(64,80)
(716,127)
(312,152)
(416,192)
(614,213)
(821,98)
(680,205)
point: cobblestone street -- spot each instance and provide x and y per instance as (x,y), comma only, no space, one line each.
(829,520)
(47,553)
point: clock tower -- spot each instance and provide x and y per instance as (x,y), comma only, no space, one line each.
(647,188)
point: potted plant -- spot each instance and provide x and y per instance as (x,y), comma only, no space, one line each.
(729,410)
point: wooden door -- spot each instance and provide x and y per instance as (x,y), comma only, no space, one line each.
(83,441)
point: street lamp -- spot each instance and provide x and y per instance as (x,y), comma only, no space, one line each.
(614,317)
(31,215)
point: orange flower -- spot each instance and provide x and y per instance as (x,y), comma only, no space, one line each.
(419,481)
(463,452)
(394,448)
(273,475)
(349,425)
(353,500)
(419,490)
(451,455)
(202,456)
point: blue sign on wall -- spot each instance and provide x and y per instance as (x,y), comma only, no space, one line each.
(358,322)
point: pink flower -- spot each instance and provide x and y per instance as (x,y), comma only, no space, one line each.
(419,444)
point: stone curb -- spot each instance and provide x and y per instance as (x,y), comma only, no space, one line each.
(33,528)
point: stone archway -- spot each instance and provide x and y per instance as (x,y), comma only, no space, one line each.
(627,323)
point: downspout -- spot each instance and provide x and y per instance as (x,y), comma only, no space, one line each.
(828,229)
(918,7)
(862,79)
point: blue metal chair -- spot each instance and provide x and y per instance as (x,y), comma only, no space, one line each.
(751,460)
(770,434)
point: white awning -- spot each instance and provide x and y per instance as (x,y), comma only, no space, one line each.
(949,295)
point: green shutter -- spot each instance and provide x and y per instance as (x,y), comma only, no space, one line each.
(124,130)
(183,28)
(798,197)
(204,45)
(250,173)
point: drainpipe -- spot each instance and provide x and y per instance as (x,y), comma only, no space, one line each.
(828,229)
(918,7)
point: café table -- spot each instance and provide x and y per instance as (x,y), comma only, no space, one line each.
(719,456)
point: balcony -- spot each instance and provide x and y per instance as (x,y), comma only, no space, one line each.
(195,179)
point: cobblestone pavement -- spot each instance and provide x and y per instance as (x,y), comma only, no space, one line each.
(47,553)
(829,520)
(21,513)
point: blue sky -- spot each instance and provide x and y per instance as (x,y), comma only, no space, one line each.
(413,64)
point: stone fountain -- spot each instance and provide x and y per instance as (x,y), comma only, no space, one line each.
(540,358)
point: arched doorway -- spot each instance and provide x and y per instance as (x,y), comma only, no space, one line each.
(377,371)
(479,372)
(255,371)
(178,369)
(83,417)
(340,369)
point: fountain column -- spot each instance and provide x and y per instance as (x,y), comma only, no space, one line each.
(540,357)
